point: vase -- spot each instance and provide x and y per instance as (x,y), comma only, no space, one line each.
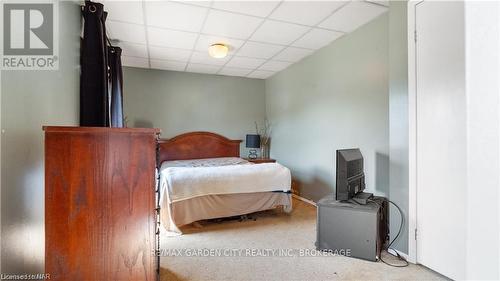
(263,151)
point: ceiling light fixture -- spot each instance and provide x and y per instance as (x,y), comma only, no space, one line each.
(218,51)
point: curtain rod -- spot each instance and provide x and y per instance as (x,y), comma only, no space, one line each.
(107,37)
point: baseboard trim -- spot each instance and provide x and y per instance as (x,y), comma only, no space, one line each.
(304,199)
(395,252)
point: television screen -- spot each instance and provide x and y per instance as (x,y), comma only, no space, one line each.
(350,175)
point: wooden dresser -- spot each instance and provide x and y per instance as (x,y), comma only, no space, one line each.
(101,216)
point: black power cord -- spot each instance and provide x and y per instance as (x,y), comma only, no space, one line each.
(397,255)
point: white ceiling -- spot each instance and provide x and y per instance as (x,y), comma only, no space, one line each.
(264,37)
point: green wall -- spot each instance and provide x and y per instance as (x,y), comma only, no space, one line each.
(398,118)
(31,99)
(336,98)
(179,102)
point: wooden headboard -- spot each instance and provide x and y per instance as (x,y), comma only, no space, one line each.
(198,145)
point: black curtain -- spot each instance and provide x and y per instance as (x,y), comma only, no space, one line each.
(101,103)
(93,60)
(116,86)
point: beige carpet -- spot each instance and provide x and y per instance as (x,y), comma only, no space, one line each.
(272,230)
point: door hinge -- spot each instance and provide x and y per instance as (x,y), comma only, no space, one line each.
(415,234)
(415,36)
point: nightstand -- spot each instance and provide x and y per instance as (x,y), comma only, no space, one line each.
(261,160)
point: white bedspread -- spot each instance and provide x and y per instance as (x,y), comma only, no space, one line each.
(181,183)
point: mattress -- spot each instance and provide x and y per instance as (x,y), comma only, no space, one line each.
(199,189)
(221,176)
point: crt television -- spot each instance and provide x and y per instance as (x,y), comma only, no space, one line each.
(350,174)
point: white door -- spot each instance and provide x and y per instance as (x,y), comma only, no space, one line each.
(441,137)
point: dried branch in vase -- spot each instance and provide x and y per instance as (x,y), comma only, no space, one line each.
(264,132)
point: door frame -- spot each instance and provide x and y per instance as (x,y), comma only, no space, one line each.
(412,132)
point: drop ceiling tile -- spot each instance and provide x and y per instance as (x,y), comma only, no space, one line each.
(241,62)
(292,54)
(171,38)
(202,68)
(204,58)
(352,16)
(135,62)
(128,11)
(259,50)
(278,32)
(380,2)
(195,3)
(317,38)
(169,53)
(275,65)
(175,15)
(206,41)
(133,50)
(255,8)
(232,71)
(305,12)
(126,32)
(168,65)
(260,74)
(230,25)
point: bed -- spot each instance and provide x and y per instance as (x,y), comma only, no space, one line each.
(203,177)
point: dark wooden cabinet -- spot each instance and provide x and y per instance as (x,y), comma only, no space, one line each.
(100,203)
